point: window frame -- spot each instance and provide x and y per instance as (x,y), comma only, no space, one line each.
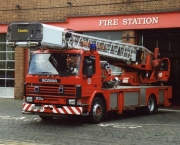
(6,69)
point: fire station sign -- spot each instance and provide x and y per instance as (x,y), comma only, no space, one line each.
(129,21)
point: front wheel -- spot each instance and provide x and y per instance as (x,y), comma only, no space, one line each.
(97,110)
(150,109)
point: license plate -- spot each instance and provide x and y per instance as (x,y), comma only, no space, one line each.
(37,107)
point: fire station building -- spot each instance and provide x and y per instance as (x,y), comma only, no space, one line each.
(149,23)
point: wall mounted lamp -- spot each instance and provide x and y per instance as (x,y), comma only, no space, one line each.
(18,7)
(69,3)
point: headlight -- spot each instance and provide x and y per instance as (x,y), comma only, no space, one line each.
(71,101)
(29,99)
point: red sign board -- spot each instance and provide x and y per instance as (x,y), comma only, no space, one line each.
(3,28)
(117,22)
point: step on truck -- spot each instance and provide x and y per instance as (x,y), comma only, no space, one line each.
(78,75)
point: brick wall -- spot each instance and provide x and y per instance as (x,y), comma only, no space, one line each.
(129,36)
(19,73)
(58,10)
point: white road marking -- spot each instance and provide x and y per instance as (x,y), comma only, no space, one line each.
(170,110)
(134,126)
(17,118)
(122,125)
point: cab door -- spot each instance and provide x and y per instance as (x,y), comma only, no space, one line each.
(91,78)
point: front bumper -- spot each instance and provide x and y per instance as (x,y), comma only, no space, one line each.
(51,109)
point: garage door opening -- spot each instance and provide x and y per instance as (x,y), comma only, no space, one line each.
(168,41)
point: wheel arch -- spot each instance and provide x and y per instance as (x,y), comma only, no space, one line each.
(100,95)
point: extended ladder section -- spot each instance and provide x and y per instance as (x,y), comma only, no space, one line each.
(108,48)
(35,35)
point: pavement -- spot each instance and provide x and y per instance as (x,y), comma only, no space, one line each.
(161,128)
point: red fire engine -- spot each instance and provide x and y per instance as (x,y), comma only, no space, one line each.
(75,74)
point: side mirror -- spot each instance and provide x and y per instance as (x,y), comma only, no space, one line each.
(89,71)
(88,68)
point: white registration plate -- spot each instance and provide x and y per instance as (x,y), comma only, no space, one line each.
(37,107)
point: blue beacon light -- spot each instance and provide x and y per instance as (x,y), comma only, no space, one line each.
(92,46)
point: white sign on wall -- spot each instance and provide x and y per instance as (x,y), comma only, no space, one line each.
(129,21)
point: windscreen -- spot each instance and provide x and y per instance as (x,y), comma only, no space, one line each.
(62,64)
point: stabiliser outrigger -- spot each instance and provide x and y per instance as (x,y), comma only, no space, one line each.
(74,74)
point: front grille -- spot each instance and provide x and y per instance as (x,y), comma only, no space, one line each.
(50,90)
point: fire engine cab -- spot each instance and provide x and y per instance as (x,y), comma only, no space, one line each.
(75,74)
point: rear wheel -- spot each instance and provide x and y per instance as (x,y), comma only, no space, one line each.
(46,118)
(150,109)
(97,110)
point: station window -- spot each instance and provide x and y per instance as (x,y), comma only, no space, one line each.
(6,64)
(111,35)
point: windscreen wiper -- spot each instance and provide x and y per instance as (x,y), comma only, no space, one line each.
(44,73)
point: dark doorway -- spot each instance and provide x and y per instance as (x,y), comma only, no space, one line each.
(168,41)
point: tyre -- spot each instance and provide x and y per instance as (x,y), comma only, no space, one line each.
(150,109)
(46,118)
(97,110)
